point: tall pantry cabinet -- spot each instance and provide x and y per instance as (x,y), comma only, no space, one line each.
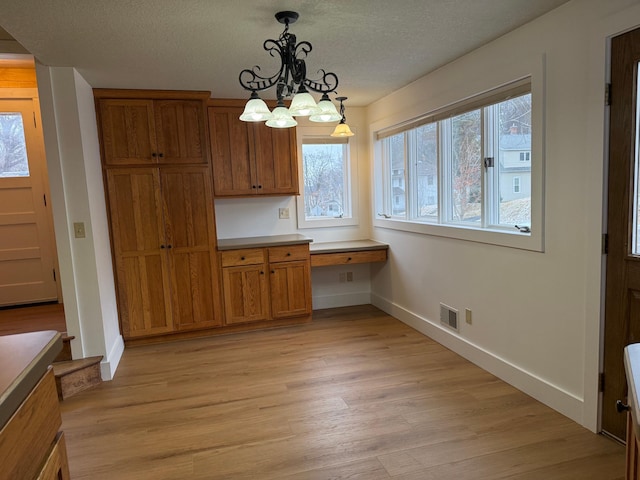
(157,174)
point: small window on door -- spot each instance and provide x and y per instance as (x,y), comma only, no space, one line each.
(13,147)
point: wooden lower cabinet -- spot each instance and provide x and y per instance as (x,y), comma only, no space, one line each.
(262,284)
(31,444)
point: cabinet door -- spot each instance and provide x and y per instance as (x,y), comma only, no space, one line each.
(180,130)
(246,297)
(140,254)
(231,152)
(290,284)
(191,239)
(276,160)
(128,131)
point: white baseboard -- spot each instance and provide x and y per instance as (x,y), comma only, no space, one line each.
(540,389)
(109,364)
(343,300)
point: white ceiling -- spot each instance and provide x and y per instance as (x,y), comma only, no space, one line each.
(374,46)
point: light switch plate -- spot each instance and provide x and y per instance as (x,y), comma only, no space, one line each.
(78,230)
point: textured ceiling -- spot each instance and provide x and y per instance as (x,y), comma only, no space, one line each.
(374,46)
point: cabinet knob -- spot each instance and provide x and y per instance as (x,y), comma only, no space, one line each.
(153,154)
(169,246)
(349,259)
(288,254)
(161,155)
(273,271)
(259,186)
(253,186)
(161,246)
(261,272)
(241,258)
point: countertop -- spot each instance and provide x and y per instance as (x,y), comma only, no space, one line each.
(24,358)
(348,246)
(258,242)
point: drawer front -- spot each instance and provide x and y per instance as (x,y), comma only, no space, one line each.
(348,258)
(238,258)
(288,253)
(27,437)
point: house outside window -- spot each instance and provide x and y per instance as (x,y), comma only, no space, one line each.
(326,176)
(466,166)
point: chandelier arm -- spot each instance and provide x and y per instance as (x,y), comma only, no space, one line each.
(327,84)
(250,79)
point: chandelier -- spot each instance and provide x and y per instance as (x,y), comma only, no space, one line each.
(291,82)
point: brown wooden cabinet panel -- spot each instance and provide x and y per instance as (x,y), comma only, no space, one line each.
(246,297)
(290,284)
(163,231)
(139,131)
(180,131)
(266,283)
(250,158)
(127,131)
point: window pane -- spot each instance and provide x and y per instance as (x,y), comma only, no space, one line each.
(325,183)
(13,149)
(514,150)
(466,153)
(396,163)
(426,165)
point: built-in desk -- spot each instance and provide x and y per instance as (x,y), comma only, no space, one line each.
(347,253)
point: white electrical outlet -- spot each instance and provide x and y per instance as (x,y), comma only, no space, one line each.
(349,276)
(467,315)
(283,213)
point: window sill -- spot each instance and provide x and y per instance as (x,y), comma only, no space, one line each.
(524,241)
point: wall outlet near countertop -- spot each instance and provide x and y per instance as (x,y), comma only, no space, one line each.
(283,213)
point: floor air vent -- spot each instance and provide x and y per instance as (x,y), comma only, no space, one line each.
(449,316)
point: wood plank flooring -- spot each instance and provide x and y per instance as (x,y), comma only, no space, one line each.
(354,395)
(32,318)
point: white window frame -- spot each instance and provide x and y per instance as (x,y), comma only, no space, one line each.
(533,240)
(308,134)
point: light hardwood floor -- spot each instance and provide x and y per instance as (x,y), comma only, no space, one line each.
(356,394)
(31,318)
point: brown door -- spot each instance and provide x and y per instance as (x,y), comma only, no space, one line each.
(27,247)
(622,303)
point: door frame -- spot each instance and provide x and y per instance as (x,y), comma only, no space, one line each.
(32,95)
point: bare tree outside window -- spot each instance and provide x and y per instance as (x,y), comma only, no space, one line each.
(324,180)
(13,149)
(466,154)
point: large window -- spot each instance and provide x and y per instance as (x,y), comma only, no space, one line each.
(469,166)
(327,192)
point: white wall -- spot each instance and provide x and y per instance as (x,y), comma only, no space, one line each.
(250,217)
(73,159)
(536,316)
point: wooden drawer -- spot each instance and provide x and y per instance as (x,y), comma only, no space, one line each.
(238,258)
(56,467)
(288,253)
(348,258)
(26,439)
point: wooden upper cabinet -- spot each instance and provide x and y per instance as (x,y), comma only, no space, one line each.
(128,131)
(163,128)
(250,158)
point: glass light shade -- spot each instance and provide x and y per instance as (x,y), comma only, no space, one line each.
(281,118)
(327,111)
(256,110)
(303,105)
(342,130)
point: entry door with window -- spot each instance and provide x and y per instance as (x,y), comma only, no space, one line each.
(622,303)
(26,240)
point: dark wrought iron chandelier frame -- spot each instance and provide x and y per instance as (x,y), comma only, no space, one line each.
(291,78)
